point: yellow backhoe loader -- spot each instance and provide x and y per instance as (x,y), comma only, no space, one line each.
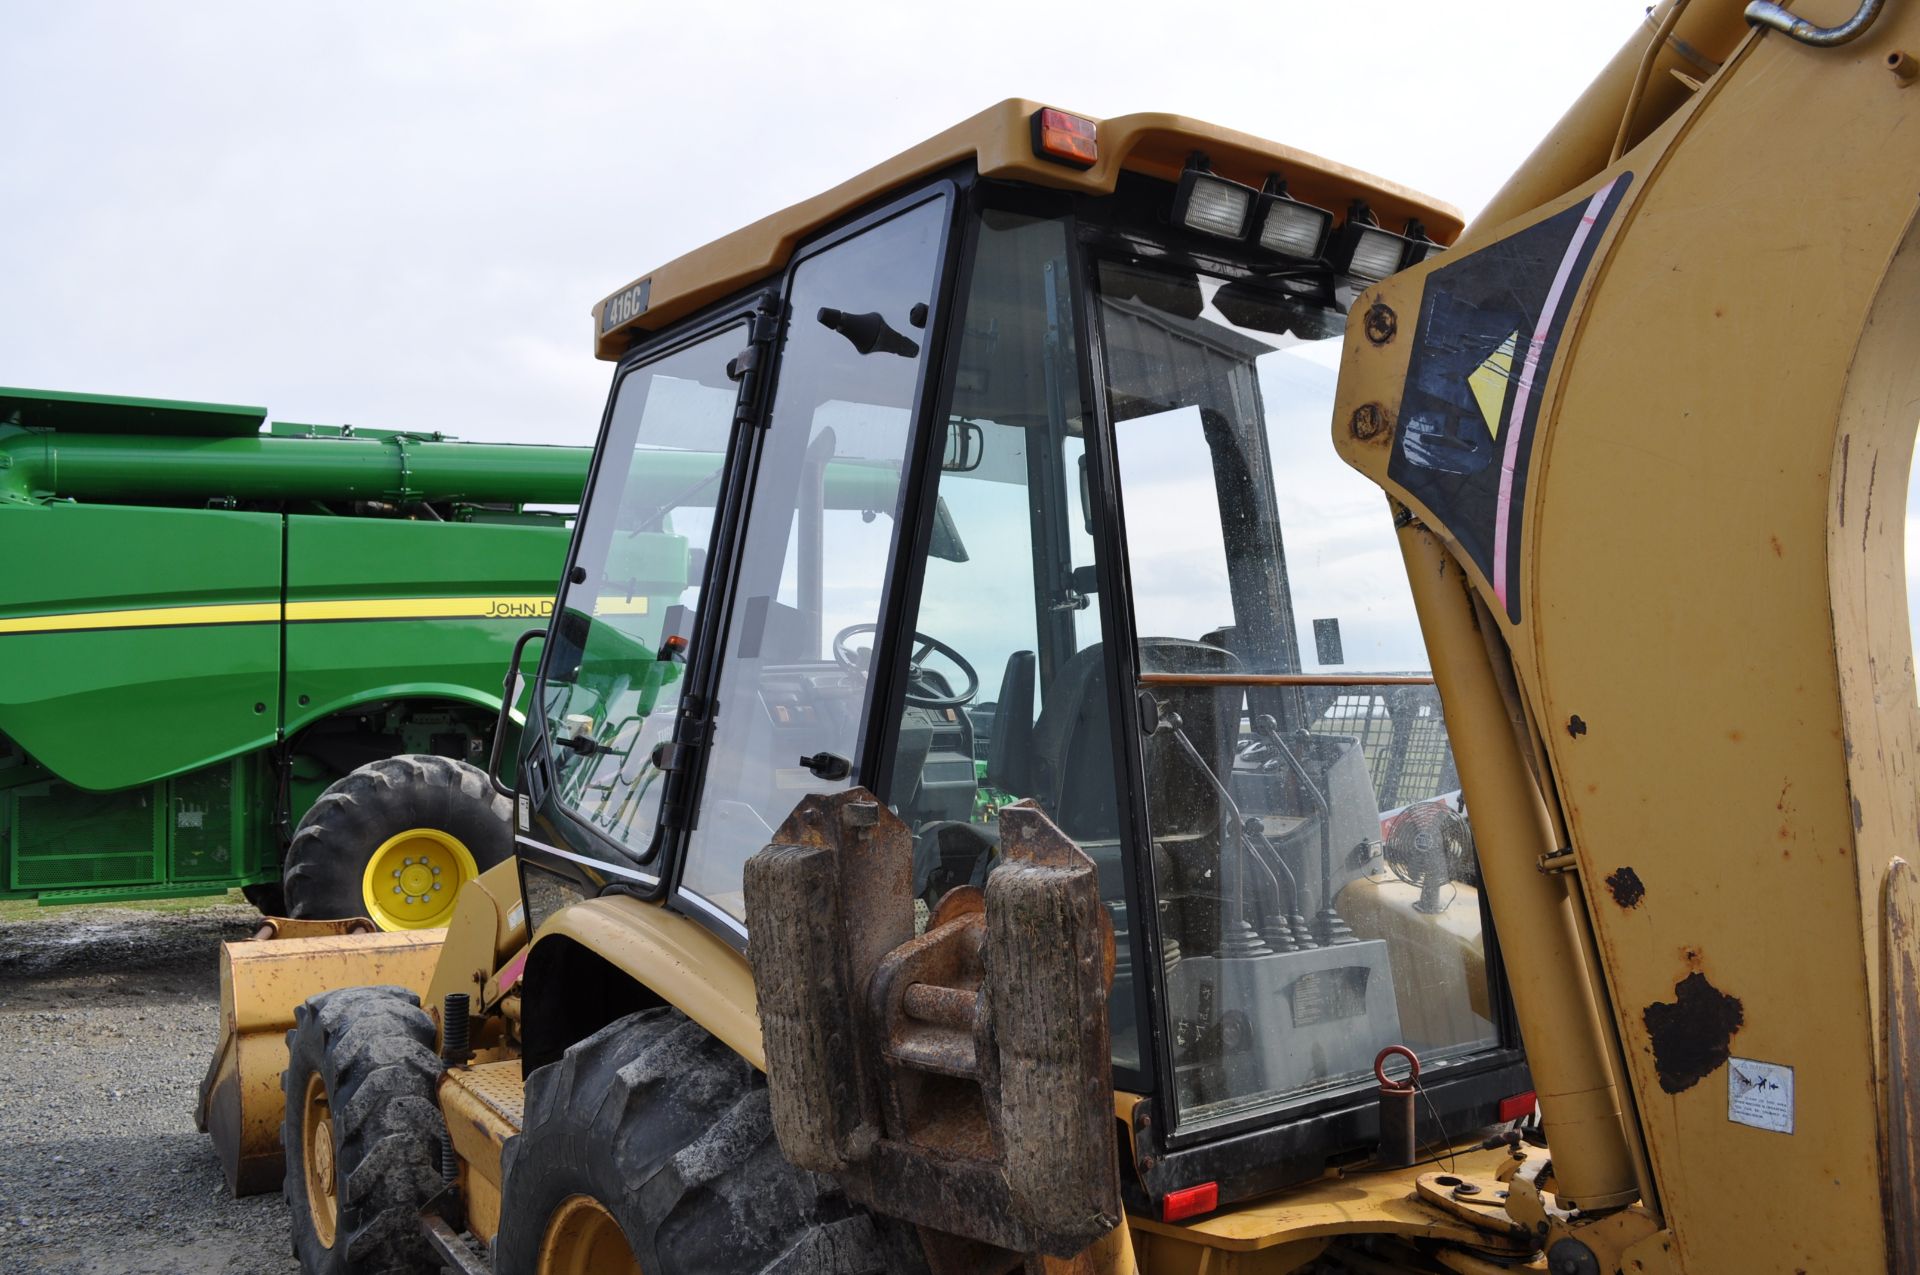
(1046,686)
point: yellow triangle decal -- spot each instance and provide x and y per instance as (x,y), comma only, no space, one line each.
(1489,382)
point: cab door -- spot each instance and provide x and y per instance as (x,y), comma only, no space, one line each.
(796,681)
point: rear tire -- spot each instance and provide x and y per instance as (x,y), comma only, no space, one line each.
(362,1132)
(659,1126)
(411,807)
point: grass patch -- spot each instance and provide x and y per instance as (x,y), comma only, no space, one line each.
(30,909)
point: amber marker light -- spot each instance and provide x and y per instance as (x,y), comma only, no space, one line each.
(1064,139)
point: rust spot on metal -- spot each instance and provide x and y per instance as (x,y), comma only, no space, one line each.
(1692,1035)
(1368,422)
(1627,887)
(1779,551)
(1381,323)
(1576,727)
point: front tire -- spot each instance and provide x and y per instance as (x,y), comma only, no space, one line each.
(650,1147)
(394,841)
(362,1132)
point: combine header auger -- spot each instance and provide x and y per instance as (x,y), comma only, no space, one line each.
(1053,708)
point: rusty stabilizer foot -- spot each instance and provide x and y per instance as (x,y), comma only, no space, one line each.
(957,1079)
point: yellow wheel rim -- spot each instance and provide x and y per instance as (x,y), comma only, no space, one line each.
(583,1239)
(413,877)
(316,1150)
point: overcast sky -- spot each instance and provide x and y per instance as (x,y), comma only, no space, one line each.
(398,214)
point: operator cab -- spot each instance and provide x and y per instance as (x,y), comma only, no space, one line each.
(1004,472)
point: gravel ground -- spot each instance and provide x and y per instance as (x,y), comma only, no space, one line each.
(107,1019)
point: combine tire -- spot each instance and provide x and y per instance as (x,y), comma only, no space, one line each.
(394,841)
(362,1132)
(649,1147)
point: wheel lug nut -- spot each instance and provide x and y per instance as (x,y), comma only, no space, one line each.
(396,889)
(436,885)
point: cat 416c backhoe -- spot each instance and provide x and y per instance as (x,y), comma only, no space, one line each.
(1021,831)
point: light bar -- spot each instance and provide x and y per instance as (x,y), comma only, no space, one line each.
(1065,139)
(1291,227)
(1212,205)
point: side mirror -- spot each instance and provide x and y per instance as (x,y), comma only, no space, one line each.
(509,691)
(966,447)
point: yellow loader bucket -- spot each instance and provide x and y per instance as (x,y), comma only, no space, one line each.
(261,981)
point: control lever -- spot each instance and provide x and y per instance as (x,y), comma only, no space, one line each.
(1328,926)
(828,766)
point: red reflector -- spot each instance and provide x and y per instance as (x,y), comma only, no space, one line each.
(1065,138)
(1517,1107)
(1190,1202)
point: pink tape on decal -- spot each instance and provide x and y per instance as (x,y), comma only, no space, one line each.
(1510,455)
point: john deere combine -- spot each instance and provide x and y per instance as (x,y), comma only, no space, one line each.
(231,654)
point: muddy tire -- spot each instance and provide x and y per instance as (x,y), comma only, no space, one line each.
(411,808)
(658,1127)
(267,898)
(362,1132)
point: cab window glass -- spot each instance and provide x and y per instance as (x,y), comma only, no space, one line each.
(613,683)
(1313,858)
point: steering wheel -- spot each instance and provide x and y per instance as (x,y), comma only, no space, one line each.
(922,690)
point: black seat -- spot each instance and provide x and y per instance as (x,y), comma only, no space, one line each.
(1073,753)
(1010,748)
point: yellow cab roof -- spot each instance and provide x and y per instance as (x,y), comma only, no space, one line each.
(1000,142)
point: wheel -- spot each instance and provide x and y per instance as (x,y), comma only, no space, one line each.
(267,898)
(362,1132)
(649,1147)
(394,841)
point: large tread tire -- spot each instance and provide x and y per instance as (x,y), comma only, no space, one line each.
(372,1048)
(670,1131)
(327,858)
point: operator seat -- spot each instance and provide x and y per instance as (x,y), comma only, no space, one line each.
(1072,753)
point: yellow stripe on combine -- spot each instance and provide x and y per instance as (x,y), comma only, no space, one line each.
(146,618)
(515,607)
(537,606)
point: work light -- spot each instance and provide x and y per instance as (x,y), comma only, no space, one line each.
(1212,205)
(1289,226)
(1363,249)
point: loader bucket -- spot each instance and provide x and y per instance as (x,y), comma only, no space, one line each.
(261,981)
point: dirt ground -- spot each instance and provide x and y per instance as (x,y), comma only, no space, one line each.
(107,1019)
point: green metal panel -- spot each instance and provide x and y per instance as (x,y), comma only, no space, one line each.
(107,700)
(365,576)
(114,414)
(207,814)
(65,838)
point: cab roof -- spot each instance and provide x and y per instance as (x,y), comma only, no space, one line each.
(1000,142)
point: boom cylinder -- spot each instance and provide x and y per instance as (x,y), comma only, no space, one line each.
(1579,1103)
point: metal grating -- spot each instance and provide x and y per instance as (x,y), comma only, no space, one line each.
(1402,733)
(64,837)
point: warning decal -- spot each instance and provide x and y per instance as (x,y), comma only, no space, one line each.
(1490,325)
(1760,1094)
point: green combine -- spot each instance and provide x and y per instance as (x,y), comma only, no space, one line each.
(269,656)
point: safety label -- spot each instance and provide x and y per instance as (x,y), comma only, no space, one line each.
(1760,1094)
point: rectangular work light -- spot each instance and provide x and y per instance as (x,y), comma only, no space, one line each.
(1289,226)
(1363,249)
(1212,205)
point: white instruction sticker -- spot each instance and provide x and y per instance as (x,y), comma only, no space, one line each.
(1760,1094)
(517,917)
(525,810)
